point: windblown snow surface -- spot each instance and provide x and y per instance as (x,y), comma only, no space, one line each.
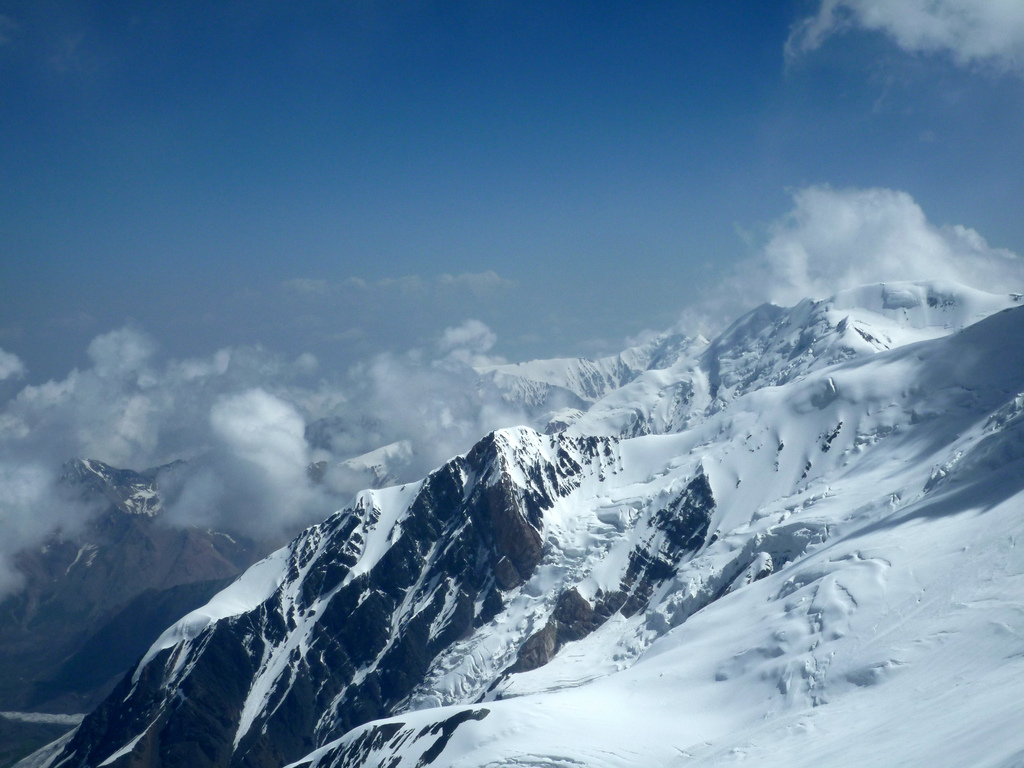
(858,598)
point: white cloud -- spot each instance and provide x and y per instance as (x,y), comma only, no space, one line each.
(122,352)
(123,431)
(261,456)
(11,366)
(112,411)
(834,239)
(261,430)
(468,344)
(971,31)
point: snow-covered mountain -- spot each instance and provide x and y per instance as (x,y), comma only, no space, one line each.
(795,545)
(773,345)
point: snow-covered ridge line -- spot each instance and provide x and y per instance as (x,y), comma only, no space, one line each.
(576,382)
(773,345)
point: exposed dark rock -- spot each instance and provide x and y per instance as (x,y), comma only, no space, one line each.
(358,752)
(473,529)
(575,616)
(573,619)
(444,730)
(515,535)
(538,650)
(505,574)
(679,529)
(828,438)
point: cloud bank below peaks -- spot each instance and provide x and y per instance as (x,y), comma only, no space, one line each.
(987,32)
(249,424)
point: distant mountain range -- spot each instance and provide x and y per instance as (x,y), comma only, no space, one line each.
(94,601)
(796,544)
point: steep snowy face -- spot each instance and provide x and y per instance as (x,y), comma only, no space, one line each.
(609,601)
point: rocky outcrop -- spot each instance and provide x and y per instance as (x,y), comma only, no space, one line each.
(366,745)
(573,619)
(678,530)
(365,604)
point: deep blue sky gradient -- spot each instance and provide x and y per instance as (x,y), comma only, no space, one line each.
(174,164)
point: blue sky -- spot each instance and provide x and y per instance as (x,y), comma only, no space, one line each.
(342,177)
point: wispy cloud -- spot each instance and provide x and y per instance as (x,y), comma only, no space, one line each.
(475,283)
(11,366)
(989,32)
(8,30)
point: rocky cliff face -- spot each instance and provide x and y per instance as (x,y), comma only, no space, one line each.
(366,602)
(361,608)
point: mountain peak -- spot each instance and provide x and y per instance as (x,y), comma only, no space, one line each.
(133,493)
